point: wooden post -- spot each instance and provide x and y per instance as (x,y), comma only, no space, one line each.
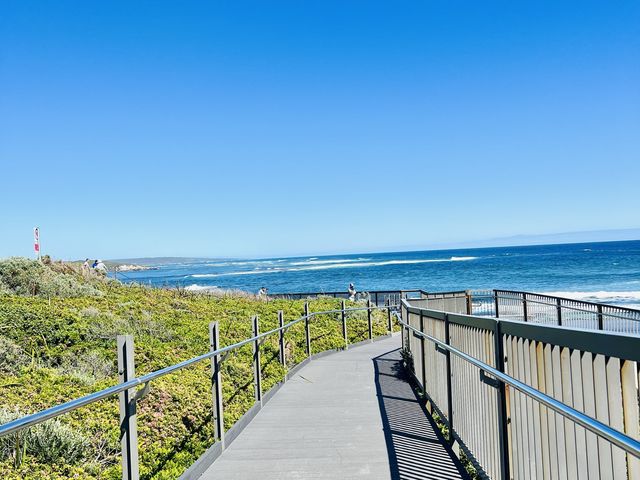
(283,360)
(216,382)
(389,323)
(469,302)
(369,324)
(495,299)
(344,327)
(128,423)
(257,375)
(306,328)
(524,307)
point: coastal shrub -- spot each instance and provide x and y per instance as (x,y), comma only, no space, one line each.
(53,441)
(88,367)
(12,357)
(49,442)
(106,325)
(22,276)
(174,420)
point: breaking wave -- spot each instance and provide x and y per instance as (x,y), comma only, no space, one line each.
(329,264)
(600,296)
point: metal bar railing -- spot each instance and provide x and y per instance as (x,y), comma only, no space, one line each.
(623,441)
(216,355)
(560,303)
(484,338)
(378,297)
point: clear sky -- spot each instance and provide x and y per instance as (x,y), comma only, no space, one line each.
(149,128)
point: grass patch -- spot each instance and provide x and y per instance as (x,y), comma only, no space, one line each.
(63,346)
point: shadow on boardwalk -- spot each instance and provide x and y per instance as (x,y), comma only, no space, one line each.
(416,449)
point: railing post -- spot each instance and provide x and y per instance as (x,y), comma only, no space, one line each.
(375,298)
(389,323)
(559,310)
(283,360)
(369,324)
(404,343)
(422,350)
(502,404)
(495,299)
(344,326)
(128,423)
(524,306)
(469,302)
(600,318)
(449,391)
(257,375)
(306,328)
(216,382)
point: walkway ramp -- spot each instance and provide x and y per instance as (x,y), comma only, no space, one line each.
(347,415)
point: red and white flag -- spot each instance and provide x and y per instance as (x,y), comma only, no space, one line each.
(36,240)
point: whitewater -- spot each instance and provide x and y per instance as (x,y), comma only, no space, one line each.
(605,272)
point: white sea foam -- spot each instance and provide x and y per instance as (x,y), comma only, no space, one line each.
(200,288)
(598,296)
(349,263)
(313,261)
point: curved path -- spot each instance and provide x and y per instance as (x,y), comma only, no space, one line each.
(344,416)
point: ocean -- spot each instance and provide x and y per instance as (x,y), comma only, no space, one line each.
(607,272)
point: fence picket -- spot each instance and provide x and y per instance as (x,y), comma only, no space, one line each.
(631,415)
(602,414)
(569,426)
(614,397)
(578,404)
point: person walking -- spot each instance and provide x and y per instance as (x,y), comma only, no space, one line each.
(86,271)
(101,268)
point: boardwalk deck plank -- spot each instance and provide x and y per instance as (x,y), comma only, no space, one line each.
(348,415)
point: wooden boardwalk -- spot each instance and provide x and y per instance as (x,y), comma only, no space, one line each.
(344,416)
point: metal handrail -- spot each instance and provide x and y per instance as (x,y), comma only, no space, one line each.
(623,441)
(577,309)
(49,413)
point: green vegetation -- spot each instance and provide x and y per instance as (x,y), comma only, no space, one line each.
(57,342)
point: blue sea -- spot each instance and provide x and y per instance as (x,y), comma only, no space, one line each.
(606,271)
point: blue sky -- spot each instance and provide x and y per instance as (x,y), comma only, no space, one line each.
(273,128)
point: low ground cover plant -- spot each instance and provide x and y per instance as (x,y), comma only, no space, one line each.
(58,343)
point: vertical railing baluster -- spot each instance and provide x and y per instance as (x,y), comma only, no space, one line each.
(600,318)
(502,403)
(422,350)
(216,382)
(405,318)
(448,368)
(283,360)
(559,310)
(343,314)
(369,323)
(306,328)
(257,374)
(128,421)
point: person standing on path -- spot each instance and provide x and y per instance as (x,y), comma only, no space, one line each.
(352,292)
